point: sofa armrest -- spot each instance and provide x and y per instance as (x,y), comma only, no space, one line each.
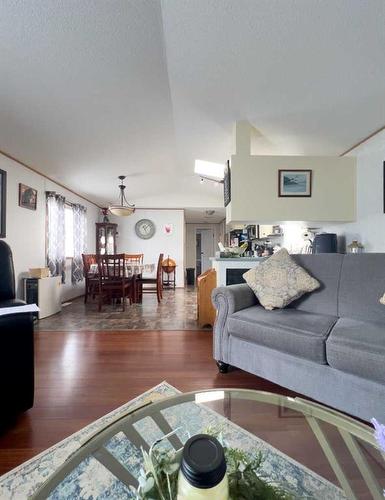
(228,300)
(12,303)
(233,298)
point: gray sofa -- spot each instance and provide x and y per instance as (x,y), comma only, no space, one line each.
(328,345)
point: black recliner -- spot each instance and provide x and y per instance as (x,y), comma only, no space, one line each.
(16,344)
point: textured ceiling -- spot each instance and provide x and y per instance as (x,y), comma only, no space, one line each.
(204,215)
(93,89)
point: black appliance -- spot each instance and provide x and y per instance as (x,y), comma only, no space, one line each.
(325,243)
(235,276)
(31,293)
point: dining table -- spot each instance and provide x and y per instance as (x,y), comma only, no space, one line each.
(132,270)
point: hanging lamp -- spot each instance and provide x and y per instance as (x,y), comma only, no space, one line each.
(123,208)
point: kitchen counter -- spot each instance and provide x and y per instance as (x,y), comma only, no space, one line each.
(238,259)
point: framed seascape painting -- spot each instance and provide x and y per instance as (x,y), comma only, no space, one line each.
(27,197)
(383,181)
(294,183)
(3,202)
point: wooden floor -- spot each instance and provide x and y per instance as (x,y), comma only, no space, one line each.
(80,376)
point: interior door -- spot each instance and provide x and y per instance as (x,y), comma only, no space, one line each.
(205,249)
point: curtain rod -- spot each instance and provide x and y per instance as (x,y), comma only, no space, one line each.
(69,203)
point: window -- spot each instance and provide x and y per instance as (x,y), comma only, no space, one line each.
(69,232)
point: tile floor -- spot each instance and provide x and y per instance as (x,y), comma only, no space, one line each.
(177,311)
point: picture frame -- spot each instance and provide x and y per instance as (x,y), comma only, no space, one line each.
(383,181)
(27,197)
(3,203)
(294,183)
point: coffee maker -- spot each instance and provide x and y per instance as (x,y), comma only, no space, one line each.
(325,243)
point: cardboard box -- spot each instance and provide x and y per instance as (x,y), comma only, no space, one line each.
(39,272)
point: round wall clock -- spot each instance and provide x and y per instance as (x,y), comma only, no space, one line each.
(145,229)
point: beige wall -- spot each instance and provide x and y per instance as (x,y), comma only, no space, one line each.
(254,185)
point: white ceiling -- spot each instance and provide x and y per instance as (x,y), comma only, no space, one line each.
(204,215)
(92,89)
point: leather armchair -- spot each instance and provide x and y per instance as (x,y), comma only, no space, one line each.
(16,344)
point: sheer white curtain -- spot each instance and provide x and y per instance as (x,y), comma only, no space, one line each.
(80,241)
(56,234)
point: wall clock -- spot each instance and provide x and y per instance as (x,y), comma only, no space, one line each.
(145,229)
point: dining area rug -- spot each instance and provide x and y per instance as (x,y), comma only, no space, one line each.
(91,481)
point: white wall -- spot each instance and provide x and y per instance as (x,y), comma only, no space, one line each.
(369,227)
(170,245)
(26,229)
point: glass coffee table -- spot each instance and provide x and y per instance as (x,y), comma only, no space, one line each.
(309,450)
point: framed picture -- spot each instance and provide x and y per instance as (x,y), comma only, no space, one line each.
(227,184)
(383,180)
(294,183)
(27,197)
(3,202)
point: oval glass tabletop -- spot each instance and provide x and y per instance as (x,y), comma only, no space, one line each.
(307,449)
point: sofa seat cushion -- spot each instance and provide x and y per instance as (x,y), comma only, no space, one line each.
(300,333)
(358,347)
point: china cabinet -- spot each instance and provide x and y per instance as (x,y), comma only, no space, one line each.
(106,238)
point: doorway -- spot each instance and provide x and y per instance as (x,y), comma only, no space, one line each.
(204,249)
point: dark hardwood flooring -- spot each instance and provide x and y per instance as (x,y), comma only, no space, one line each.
(81,376)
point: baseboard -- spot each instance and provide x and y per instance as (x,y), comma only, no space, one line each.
(73,298)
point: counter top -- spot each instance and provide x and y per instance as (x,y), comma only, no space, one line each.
(237,259)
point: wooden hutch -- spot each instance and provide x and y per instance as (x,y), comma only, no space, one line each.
(106,233)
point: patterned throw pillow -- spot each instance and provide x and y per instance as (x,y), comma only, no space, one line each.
(279,280)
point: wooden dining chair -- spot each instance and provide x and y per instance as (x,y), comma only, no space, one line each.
(137,258)
(113,282)
(91,277)
(155,283)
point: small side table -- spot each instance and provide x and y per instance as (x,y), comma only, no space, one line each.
(169,276)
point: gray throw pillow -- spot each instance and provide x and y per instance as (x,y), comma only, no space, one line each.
(279,280)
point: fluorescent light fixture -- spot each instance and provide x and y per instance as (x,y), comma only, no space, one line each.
(210,170)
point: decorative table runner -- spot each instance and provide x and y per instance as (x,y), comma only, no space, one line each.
(131,269)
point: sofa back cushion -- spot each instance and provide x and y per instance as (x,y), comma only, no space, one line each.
(361,287)
(326,268)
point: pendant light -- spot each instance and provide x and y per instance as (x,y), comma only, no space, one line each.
(123,208)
